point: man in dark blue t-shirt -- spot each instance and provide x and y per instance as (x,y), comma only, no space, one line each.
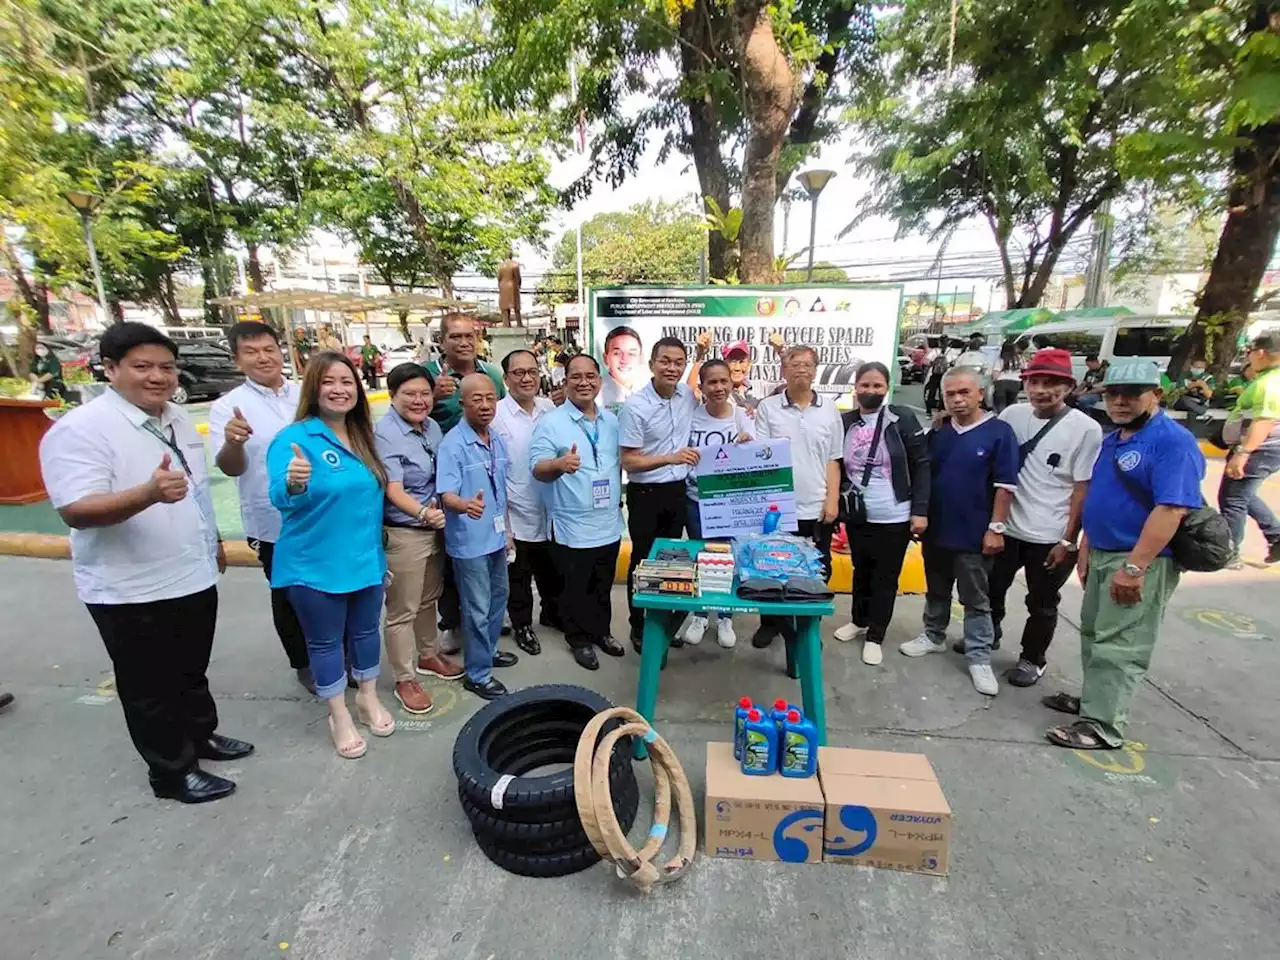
(1146,479)
(975,469)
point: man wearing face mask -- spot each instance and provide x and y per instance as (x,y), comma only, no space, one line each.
(1057,448)
(1197,386)
(1146,480)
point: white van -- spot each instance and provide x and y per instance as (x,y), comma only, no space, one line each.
(1152,337)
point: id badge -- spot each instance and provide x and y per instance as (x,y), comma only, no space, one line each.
(499,524)
(601,495)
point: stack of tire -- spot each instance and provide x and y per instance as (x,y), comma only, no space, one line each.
(529,824)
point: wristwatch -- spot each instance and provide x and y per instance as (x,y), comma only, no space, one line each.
(996,526)
(1069,544)
(1133,570)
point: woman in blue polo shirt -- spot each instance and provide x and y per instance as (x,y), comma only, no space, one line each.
(327,482)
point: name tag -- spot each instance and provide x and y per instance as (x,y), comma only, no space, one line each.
(601,495)
(499,524)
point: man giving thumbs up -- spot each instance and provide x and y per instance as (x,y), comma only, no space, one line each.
(472,483)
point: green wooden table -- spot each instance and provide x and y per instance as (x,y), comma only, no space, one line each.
(804,642)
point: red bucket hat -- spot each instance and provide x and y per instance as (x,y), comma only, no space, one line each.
(1050,362)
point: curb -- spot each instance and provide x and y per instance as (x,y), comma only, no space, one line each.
(46,546)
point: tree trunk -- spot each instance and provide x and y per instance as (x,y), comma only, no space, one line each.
(169,301)
(770,94)
(1244,250)
(257,283)
(35,295)
(705,136)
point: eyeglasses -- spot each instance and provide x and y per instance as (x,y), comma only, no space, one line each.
(583,378)
(522,374)
(670,362)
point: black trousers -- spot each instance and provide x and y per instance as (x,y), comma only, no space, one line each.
(587,575)
(370,372)
(933,393)
(820,533)
(877,551)
(449,606)
(160,651)
(286,621)
(1004,393)
(654,510)
(1044,591)
(533,563)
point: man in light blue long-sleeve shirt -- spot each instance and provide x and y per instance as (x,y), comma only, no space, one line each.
(575,454)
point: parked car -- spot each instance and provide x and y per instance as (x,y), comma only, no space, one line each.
(353,354)
(69,353)
(401,353)
(205,370)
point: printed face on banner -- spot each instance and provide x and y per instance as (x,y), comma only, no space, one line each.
(845,325)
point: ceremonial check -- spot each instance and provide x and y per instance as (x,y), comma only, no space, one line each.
(738,482)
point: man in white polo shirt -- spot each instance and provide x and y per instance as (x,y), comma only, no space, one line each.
(242,425)
(812,424)
(127,473)
(653,433)
(518,413)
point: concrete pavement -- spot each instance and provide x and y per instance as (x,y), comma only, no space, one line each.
(1167,850)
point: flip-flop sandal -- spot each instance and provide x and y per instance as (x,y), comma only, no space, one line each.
(1079,736)
(1062,702)
(352,750)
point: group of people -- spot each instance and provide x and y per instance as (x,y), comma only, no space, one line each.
(472,487)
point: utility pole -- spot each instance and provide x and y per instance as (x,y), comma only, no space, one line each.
(1098,273)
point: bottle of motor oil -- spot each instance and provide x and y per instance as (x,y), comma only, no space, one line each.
(799,752)
(739,725)
(760,746)
(779,714)
(772,517)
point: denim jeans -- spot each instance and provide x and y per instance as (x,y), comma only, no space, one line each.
(482,593)
(329,618)
(1238,499)
(968,573)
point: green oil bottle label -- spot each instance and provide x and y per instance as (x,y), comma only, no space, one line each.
(755,751)
(795,754)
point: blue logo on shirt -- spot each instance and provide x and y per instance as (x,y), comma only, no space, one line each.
(331,458)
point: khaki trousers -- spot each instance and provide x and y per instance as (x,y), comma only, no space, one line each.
(415,558)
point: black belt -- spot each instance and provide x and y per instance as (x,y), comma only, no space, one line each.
(407,526)
(656,486)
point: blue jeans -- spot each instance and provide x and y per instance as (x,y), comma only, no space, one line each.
(1238,499)
(968,573)
(329,618)
(482,592)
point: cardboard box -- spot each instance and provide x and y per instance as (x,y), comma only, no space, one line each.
(883,810)
(760,818)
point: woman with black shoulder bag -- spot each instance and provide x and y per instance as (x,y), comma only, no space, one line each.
(884,502)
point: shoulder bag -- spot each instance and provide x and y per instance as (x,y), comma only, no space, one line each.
(1203,539)
(853,505)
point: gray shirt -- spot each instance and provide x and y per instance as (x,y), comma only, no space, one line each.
(655,426)
(410,458)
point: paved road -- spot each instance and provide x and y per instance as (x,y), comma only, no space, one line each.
(1169,850)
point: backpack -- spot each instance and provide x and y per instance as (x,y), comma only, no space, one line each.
(1203,539)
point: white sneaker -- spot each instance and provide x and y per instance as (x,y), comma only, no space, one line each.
(871,653)
(448,642)
(694,628)
(920,646)
(724,633)
(984,679)
(848,632)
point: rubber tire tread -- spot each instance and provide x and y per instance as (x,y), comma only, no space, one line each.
(527,797)
(541,866)
(530,837)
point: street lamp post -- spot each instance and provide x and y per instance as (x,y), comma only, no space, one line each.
(813,181)
(85,204)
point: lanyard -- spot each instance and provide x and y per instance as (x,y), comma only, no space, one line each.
(490,468)
(426,448)
(592,438)
(171,442)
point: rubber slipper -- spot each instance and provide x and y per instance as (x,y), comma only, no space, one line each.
(1079,736)
(1062,702)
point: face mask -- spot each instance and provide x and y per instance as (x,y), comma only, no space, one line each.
(1138,422)
(870,401)
(1197,371)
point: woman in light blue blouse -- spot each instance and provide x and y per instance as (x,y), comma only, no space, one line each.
(327,482)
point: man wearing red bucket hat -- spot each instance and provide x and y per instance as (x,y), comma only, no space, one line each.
(1057,449)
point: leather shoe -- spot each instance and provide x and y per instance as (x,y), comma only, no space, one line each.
(764,636)
(637,640)
(194,786)
(504,659)
(586,657)
(611,646)
(527,641)
(492,690)
(218,747)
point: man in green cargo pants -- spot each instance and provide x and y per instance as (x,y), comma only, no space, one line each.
(1145,481)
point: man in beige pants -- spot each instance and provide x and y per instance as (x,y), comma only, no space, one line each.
(407,439)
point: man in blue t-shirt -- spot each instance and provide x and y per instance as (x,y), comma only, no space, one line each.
(1146,480)
(975,469)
